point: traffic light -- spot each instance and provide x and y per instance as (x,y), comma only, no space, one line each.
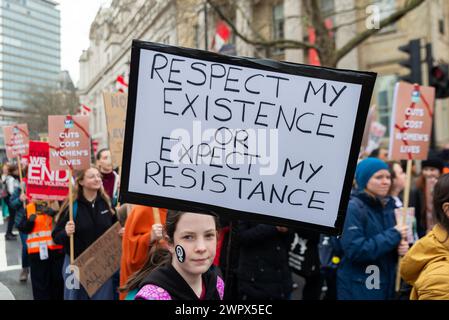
(438,79)
(413,62)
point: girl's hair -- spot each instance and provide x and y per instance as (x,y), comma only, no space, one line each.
(421,187)
(392,173)
(100,152)
(441,196)
(12,167)
(159,255)
(78,192)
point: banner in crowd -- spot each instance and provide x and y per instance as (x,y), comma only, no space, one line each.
(410,222)
(43,183)
(100,261)
(16,140)
(376,133)
(244,137)
(369,120)
(69,142)
(411,122)
(115,108)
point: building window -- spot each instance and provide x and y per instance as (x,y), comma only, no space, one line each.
(278,22)
(327,7)
(383,93)
(441,26)
(386,8)
(278,25)
(197,36)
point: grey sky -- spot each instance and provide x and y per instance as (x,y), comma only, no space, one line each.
(76,18)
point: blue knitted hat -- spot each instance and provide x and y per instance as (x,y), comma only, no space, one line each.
(366,169)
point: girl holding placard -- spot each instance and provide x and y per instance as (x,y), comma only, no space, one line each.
(92,216)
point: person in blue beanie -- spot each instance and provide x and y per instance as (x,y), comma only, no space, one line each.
(371,239)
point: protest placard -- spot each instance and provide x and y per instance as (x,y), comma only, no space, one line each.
(408,215)
(376,133)
(100,261)
(43,183)
(16,140)
(411,122)
(69,142)
(277,142)
(115,109)
(369,120)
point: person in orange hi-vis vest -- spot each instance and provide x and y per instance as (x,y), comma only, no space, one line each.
(46,258)
(141,231)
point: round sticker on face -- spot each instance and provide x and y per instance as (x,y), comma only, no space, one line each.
(180,253)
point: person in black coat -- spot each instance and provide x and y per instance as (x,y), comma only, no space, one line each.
(421,198)
(92,216)
(263,272)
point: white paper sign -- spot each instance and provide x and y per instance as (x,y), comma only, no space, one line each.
(242,138)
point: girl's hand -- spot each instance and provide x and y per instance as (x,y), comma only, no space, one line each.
(70,228)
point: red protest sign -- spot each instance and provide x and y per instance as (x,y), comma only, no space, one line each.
(69,141)
(411,122)
(16,140)
(44,184)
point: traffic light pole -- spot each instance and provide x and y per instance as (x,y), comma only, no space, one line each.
(426,81)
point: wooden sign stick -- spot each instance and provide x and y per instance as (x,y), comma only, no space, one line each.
(404,216)
(72,243)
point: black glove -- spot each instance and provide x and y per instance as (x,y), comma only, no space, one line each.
(32,217)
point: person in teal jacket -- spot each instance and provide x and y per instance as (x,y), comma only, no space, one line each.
(371,239)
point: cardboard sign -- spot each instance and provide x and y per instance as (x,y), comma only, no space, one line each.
(411,122)
(16,140)
(115,109)
(272,141)
(369,121)
(376,133)
(410,222)
(69,142)
(100,261)
(44,184)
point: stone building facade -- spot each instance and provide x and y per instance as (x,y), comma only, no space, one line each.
(190,23)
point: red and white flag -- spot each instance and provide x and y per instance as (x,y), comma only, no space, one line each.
(84,110)
(121,84)
(222,36)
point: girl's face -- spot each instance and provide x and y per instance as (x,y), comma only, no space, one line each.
(91,180)
(197,235)
(379,184)
(105,161)
(429,172)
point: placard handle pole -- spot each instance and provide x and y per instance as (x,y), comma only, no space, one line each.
(72,243)
(403,220)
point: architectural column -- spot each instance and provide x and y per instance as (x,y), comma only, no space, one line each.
(293,29)
(243,21)
(346,33)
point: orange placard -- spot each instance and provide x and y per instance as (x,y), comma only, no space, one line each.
(69,141)
(411,122)
(17,140)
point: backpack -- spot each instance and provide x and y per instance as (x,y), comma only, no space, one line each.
(3,190)
(330,252)
(75,209)
(330,249)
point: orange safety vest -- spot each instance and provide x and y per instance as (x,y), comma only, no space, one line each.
(41,231)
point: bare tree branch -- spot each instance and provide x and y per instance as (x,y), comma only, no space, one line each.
(358,39)
(281,43)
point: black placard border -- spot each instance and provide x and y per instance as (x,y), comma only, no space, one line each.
(365,79)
